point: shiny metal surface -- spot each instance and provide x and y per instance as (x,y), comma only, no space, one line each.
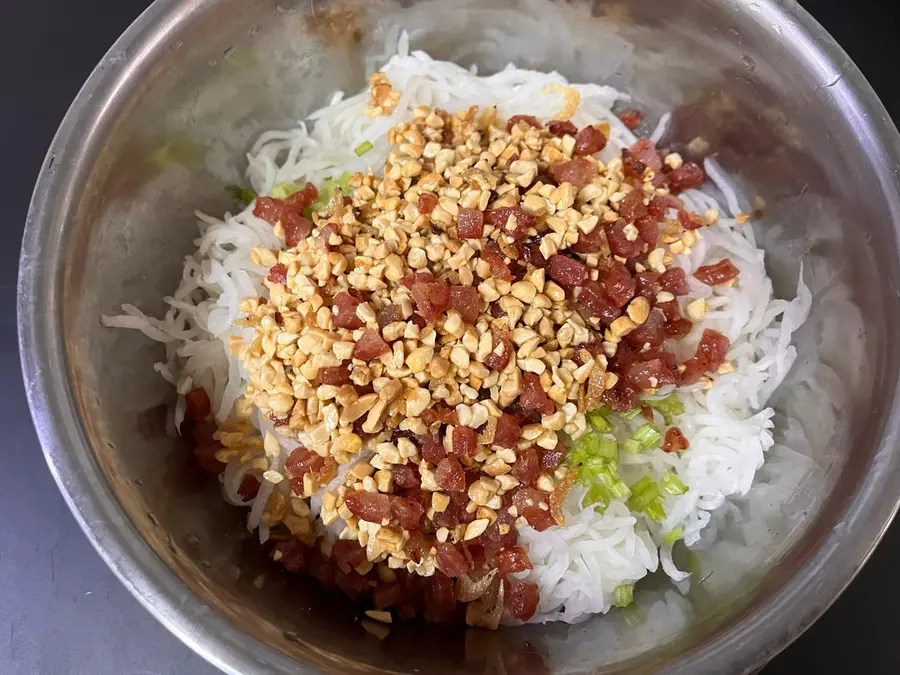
(780,103)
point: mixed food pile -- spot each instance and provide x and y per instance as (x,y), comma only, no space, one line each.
(445,330)
(470,366)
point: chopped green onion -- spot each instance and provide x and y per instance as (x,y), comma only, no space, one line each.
(590,468)
(620,490)
(593,445)
(599,421)
(330,187)
(669,406)
(581,450)
(641,485)
(363,148)
(597,494)
(243,195)
(672,484)
(613,483)
(285,190)
(645,498)
(607,448)
(631,414)
(632,446)
(648,436)
(624,595)
(593,468)
(673,535)
(594,465)
(655,511)
(642,499)
(603,481)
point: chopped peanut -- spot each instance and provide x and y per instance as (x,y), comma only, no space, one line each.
(401,328)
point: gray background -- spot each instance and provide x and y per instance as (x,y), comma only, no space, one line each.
(61,610)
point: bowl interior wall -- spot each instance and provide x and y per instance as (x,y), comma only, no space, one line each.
(170,146)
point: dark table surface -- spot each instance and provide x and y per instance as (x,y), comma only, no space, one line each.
(61,609)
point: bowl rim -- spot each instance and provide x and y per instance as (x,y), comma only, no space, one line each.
(775,623)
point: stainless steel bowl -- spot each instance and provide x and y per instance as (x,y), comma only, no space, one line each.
(162,125)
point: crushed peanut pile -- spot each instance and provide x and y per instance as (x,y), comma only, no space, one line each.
(443,328)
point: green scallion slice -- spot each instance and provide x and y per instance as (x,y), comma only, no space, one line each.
(329,188)
(624,595)
(672,484)
(655,511)
(285,190)
(643,484)
(614,485)
(363,148)
(607,448)
(598,421)
(641,500)
(668,407)
(648,436)
(590,468)
(597,494)
(632,446)
(581,450)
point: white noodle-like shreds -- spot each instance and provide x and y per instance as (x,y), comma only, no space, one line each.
(579,566)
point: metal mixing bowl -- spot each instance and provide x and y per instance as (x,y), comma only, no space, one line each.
(163,124)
